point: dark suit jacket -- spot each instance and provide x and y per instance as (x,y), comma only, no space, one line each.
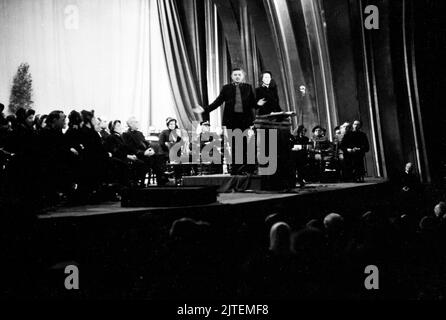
(114,144)
(410,180)
(94,151)
(354,139)
(53,151)
(231,119)
(136,142)
(165,137)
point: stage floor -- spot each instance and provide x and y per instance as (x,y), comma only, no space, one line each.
(224,199)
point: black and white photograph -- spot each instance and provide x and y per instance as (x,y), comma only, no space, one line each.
(222,156)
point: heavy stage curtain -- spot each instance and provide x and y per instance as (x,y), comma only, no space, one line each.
(184,83)
(105,55)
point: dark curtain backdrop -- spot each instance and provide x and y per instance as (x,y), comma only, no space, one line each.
(186,87)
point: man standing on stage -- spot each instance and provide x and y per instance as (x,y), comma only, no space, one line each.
(239,110)
(355,145)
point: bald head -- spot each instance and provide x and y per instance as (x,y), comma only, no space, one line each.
(440,209)
(280,237)
(409,167)
(334,222)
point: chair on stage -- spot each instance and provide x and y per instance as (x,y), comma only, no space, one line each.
(324,165)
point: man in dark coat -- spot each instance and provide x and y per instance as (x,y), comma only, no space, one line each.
(239,110)
(409,190)
(354,145)
(127,168)
(53,154)
(139,146)
(239,102)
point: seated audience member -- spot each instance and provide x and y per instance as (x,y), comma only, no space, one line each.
(354,146)
(7,132)
(103,128)
(409,180)
(321,152)
(205,138)
(428,224)
(275,266)
(312,264)
(126,166)
(18,152)
(335,231)
(334,225)
(169,138)
(205,130)
(139,146)
(53,154)
(190,266)
(372,233)
(73,135)
(23,136)
(95,157)
(440,216)
(320,141)
(429,242)
(272,219)
(74,139)
(410,191)
(337,139)
(11,120)
(300,156)
(315,224)
(440,210)
(280,238)
(40,122)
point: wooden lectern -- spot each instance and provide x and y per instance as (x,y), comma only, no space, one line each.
(284,176)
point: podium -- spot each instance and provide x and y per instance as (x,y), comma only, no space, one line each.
(285,175)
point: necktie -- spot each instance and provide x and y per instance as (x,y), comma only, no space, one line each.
(238,107)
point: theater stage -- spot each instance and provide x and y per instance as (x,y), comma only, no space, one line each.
(108,236)
(317,197)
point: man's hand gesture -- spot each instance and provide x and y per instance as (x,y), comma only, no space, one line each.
(261,102)
(198,109)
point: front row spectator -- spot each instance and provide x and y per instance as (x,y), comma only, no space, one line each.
(53,154)
(126,166)
(139,146)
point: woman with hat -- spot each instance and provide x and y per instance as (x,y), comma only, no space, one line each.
(169,137)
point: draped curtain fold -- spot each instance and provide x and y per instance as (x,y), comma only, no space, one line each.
(185,88)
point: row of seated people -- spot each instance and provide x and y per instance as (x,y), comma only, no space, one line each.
(39,158)
(186,144)
(344,154)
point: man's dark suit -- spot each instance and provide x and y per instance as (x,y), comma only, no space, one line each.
(136,142)
(236,120)
(137,145)
(231,119)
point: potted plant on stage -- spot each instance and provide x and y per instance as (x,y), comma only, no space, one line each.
(21,91)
